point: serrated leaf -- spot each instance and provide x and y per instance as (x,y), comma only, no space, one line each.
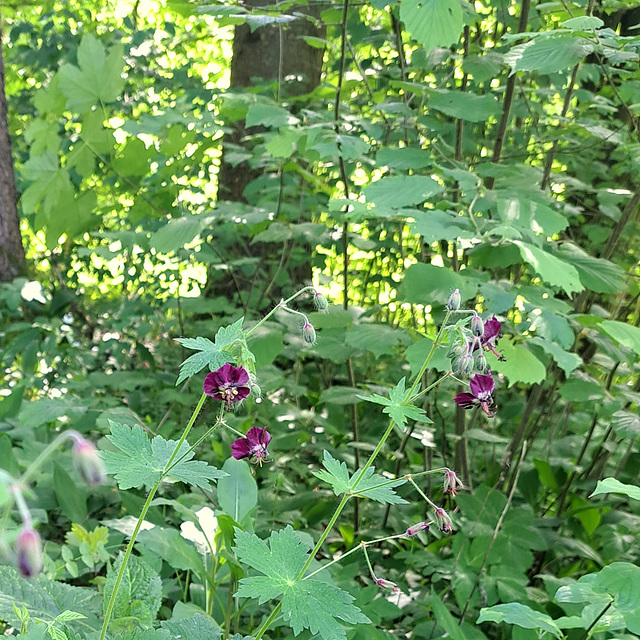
(139,593)
(552,270)
(306,604)
(197,627)
(625,334)
(626,424)
(337,475)
(433,23)
(142,462)
(612,485)
(396,406)
(464,106)
(230,343)
(567,361)
(597,274)
(548,55)
(45,599)
(520,365)
(521,615)
(399,191)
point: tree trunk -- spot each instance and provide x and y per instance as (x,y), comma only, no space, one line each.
(12,259)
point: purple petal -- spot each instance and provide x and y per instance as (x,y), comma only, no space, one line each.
(482,386)
(211,384)
(465,400)
(243,392)
(241,449)
(238,376)
(257,436)
(491,329)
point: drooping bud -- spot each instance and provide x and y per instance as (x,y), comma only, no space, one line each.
(387,584)
(414,529)
(29,552)
(87,462)
(477,326)
(309,333)
(480,364)
(320,302)
(463,365)
(455,300)
(444,520)
(256,392)
(451,482)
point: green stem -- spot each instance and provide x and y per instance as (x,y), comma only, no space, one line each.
(280,305)
(143,513)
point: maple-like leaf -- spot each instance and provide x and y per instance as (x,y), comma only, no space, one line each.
(230,345)
(397,406)
(369,486)
(142,461)
(306,603)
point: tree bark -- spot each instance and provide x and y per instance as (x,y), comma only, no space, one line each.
(12,258)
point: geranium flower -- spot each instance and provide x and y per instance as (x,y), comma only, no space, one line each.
(451,482)
(481,387)
(252,446)
(491,336)
(227,384)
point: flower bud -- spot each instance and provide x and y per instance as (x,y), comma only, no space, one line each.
(87,462)
(463,365)
(256,392)
(320,302)
(387,584)
(480,364)
(309,333)
(444,520)
(29,552)
(477,326)
(455,300)
(416,528)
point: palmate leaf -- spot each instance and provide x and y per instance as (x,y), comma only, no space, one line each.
(396,405)
(230,344)
(142,461)
(337,476)
(306,604)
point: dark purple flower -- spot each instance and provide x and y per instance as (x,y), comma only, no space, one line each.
(481,387)
(227,384)
(443,519)
(252,446)
(491,336)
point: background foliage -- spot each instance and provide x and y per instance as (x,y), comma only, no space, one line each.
(489,147)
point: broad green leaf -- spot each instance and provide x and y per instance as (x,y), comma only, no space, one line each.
(552,270)
(340,395)
(612,485)
(197,627)
(567,361)
(71,500)
(168,544)
(230,345)
(404,158)
(179,232)
(625,334)
(582,23)
(379,339)
(548,55)
(399,191)
(97,78)
(238,491)
(139,593)
(445,619)
(397,406)
(526,214)
(428,284)
(581,391)
(597,274)
(433,23)
(465,106)
(269,115)
(626,424)
(520,364)
(553,327)
(417,352)
(434,225)
(337,475)
(521,615)
(142,461)
(306,604)
(46,599)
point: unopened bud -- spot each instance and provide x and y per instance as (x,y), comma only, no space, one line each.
(29,552)
(87,462)
(256,392)
(416,528)
(463,365)
(480,364)
(477,326)
(455,300)
(309,333)
(444,520)
(387,584)
(320,301)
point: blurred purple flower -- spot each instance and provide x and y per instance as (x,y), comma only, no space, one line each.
(29,552)
(252,446)
(451,482)
(227,384)
(481,387)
